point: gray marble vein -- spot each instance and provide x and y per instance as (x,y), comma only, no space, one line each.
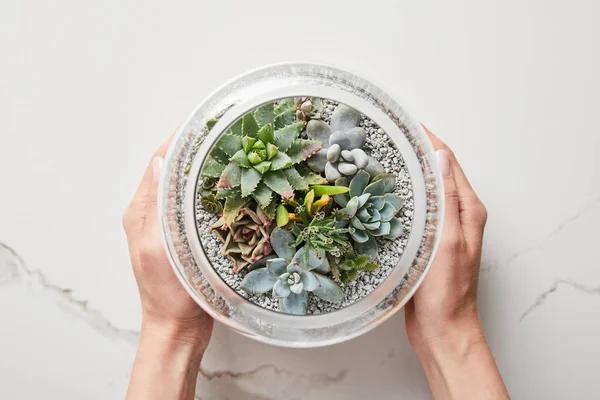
(490,265)
(14,269)
(541,299)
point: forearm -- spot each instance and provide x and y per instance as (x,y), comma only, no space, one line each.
(461,366)
(166,364)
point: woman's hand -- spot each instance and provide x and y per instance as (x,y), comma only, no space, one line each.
(442,321)
(175,330)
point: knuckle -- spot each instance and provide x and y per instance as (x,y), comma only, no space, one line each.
(480,211)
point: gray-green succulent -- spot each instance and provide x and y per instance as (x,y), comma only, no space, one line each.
(370,209)
(292,275)
(342,139)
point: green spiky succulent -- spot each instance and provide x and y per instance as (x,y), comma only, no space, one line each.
(258,158)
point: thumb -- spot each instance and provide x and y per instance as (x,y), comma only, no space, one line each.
(452,227)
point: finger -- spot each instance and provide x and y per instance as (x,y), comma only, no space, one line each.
(147,181)
(472,213)
(452,226)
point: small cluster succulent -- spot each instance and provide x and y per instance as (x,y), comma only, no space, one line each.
(247,239)
(292,275)
(352,265)
(311,201)
(341,154)
(370,209)
(307,108)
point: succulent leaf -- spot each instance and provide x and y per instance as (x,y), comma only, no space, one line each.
(285,118)
(258,281)
(277,182)
(280,161)
(212,168)
(369,248)
(376,188)
(265,114)
(389,181)
(321,190)
(310,177)
(276,266)
(310,281)
(219,155)
(281,242)
(263,167)
(295,304)
(394,200)
(359,183)
(284,137)
(328,289)
(249,125)
(295,179)
(281,289)
(381,230)
(359,236)
(266,134)
(229,144)
(247,143)
(241,159)
(387,212)
(236,128)
(250,179)
(270,210)
(211,123)
(301,149)
(284,105)
(231,177)
(396,229)
(263,195)
(283,217)
(233,205)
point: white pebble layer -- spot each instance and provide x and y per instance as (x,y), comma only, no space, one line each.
(379,146)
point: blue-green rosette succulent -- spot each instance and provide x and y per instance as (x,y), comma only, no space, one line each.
(370,208)
(292,275)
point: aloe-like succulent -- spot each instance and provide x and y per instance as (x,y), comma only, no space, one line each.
(370,209)
(246,240)
(342,153)
(292,275)
(258,158)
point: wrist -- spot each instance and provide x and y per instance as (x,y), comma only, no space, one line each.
(174,335)
(455,341)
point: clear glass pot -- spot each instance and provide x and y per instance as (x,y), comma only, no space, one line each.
(177,193)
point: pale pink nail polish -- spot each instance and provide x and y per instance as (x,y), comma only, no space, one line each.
(443,162)
(157,164)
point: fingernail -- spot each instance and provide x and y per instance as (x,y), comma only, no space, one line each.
(443,162)
(157,164)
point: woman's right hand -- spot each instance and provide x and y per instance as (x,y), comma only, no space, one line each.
(442,321)
(447,299)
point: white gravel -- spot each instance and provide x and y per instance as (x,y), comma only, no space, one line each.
(380,147)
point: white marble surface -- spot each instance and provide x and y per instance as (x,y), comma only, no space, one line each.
(89,90)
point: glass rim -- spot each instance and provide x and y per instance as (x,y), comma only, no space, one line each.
(262,85)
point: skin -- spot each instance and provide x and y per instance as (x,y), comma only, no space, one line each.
(442,320)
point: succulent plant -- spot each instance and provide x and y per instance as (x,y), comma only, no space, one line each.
(256,161)
(246,240)
(307,108)
(350,267)
(370,209)
(322,235)
(341,154)
(211,204)
(292,275)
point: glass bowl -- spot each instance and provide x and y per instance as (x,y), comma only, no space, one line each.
(177,192)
